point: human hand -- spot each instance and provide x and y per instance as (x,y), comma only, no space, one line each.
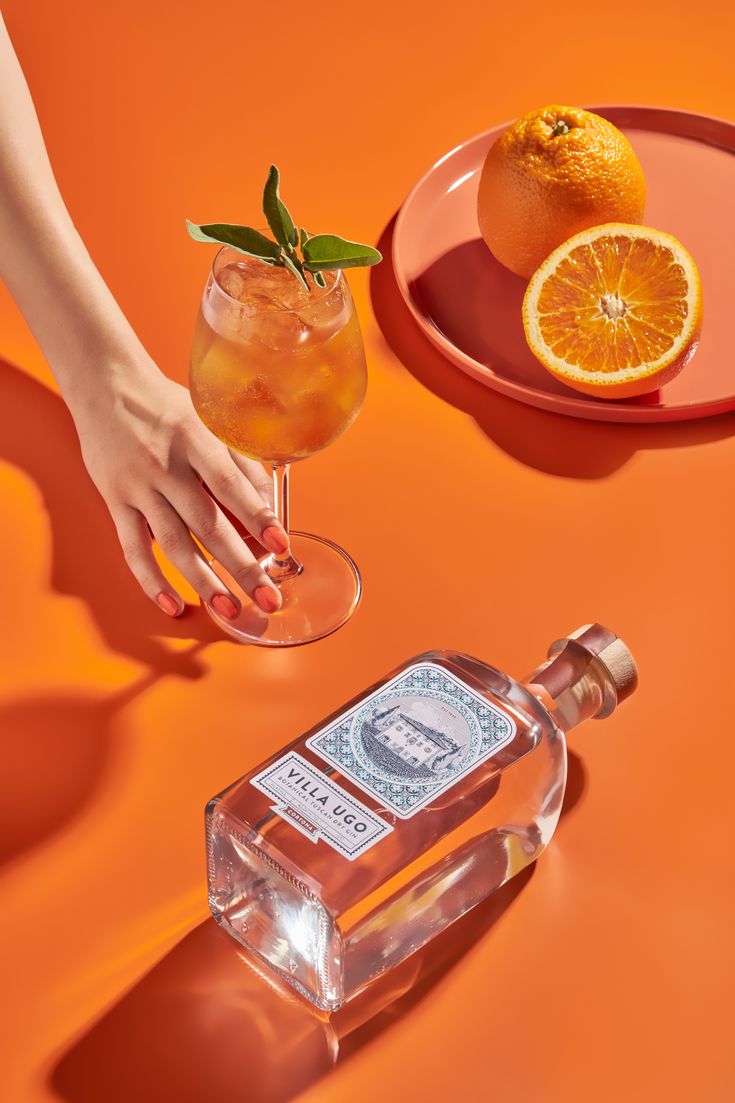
(145,448)
(148,453)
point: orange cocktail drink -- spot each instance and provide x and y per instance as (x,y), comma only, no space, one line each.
(277,371)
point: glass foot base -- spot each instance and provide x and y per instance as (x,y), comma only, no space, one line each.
(316,602)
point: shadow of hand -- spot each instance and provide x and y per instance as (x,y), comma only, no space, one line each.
(87,561)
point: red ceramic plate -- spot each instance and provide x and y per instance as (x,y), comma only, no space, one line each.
(470,306)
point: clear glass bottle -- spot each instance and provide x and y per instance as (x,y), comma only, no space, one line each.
(356,844)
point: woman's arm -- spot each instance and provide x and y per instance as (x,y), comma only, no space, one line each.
(141,440)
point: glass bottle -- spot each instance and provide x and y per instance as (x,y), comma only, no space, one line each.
(353,846)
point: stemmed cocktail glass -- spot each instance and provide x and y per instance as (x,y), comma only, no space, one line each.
(277,373)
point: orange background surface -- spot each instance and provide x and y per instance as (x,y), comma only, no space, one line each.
(478,524)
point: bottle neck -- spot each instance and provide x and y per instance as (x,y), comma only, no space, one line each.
(573,686)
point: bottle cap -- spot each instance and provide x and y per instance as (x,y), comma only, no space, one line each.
(609,651)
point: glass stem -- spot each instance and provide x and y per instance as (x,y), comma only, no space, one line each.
(286,566)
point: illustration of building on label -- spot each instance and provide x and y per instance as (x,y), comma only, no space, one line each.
(406,745)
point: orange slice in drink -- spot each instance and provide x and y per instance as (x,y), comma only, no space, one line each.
(615,311)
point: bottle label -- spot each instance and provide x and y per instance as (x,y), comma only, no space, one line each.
(414,738)
(318,807)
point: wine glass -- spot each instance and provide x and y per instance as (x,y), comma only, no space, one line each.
(278,372)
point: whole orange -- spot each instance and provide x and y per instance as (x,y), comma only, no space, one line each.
(553,173)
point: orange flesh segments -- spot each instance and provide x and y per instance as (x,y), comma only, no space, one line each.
(615,311)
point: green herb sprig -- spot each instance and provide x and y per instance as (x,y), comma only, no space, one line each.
(293,248)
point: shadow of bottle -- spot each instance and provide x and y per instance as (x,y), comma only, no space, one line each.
(207,1022)
(552,443)
(210,1022)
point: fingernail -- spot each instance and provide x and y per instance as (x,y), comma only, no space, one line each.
(267,598)
(225,606)
(169,604)
(275,540)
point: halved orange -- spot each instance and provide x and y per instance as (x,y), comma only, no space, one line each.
(615,311)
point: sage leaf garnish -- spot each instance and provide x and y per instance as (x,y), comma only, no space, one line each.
(295,267)
(324,251)
(242,238)
(316,276)
(276,211)
(319,253)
